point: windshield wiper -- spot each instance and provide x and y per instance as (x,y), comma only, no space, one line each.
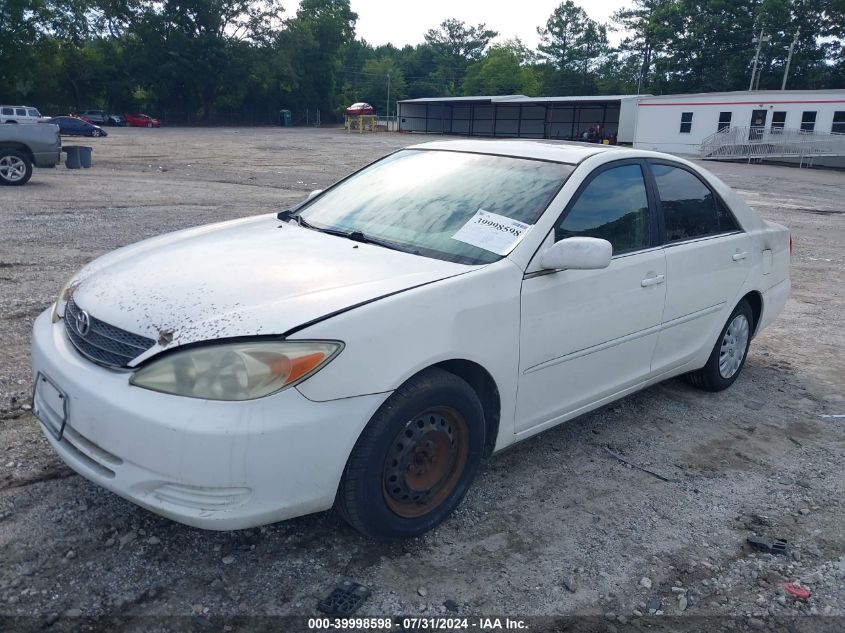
(355,236)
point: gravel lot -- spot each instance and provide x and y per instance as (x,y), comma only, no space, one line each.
(555,525)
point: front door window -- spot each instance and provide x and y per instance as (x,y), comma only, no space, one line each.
(613,207)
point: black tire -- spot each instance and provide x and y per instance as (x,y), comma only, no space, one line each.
(423,407)
(711,377)
(11,161)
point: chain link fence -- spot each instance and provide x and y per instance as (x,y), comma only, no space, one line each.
(235,117)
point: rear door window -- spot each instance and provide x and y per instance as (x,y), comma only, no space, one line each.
(8,112)
(690,208)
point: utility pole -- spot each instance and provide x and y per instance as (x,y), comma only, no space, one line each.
(760,39)
(789,59)
(387,105)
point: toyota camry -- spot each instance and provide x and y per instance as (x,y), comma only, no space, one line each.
(366,349)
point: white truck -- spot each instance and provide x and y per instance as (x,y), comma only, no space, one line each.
(19,114)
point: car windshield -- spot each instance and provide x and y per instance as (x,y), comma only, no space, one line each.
(461,207)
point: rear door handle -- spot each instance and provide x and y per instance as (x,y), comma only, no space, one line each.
(739,256)
(652,281)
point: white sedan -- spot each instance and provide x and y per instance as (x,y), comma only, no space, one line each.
(368,348)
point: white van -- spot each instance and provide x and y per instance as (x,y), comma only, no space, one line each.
(19,114)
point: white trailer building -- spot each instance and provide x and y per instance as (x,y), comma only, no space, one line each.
(679,123)
(790,125)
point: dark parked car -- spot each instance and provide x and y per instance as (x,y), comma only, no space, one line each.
(74,126)
(97,117)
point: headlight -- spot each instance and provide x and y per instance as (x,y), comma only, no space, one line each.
(64,294)
(236,371)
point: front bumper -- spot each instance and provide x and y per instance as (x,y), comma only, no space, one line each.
(213,465)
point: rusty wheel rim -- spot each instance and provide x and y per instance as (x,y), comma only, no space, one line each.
(425,462)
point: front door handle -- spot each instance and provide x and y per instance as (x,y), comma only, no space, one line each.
(739,256)
(652,281)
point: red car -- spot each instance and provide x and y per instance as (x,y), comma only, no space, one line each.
(141,120)
(358,109)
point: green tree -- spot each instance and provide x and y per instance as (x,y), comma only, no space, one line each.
(501,71)
(314,40)
(646,39)
(455,46)
(374,84)
(191,53)
(575,46)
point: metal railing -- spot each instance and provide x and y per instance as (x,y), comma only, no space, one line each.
(750,143)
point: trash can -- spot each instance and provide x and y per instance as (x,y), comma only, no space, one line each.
(72,160)
(85,156)
(285,118)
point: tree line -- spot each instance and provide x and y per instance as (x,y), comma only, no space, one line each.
(190,59)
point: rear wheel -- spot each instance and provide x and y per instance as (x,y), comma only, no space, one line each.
(416,458)
(729,353)
(15,167)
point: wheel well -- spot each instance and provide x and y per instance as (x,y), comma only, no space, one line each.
(755,300)
(485,387)
(20,147)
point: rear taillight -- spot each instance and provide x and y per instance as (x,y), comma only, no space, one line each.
(790,246)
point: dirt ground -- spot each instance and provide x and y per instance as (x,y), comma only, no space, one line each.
(555,525)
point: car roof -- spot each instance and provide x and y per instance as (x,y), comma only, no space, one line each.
(571,152)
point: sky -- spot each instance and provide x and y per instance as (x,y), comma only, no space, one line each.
(400,23)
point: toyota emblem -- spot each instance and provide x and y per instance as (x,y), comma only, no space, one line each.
(83,323)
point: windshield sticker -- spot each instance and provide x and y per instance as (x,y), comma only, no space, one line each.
(492,232)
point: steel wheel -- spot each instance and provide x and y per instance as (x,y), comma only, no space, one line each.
(734,344)
(13,168)
(425,462)
(415,459)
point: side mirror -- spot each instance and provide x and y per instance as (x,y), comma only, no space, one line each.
(577,253)
(313,194)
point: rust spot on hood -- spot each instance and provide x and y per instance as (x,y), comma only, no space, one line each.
(165,337)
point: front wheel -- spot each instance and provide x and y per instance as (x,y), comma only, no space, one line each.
(729,353)
(415,460)
(15,168)
(149,125)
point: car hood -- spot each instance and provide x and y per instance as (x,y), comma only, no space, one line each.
(257,276)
